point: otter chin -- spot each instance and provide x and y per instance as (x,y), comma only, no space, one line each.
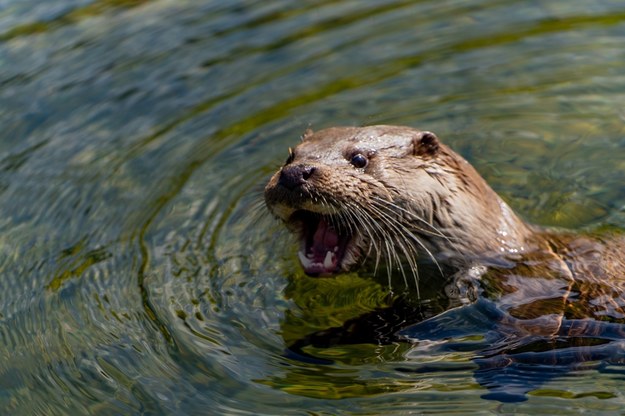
(388,193)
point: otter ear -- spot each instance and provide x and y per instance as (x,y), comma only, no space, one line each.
(309,132)
(426,144)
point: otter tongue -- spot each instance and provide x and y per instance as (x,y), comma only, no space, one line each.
(325,238)
(321,257)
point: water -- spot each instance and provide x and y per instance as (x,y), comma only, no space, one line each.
(139,271)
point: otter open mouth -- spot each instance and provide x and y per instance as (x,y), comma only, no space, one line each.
(323,244)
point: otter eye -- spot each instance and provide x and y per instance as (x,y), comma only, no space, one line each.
(359,160)
(291,157)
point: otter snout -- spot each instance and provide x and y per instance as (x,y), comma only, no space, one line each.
(292,176)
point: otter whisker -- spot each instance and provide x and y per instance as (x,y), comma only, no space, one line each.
(387,238)
(409,252)
(414,215)
(369,224)
(407,249)
(405,232)
(384,204)
(435,232)
(372,241)
(389,206)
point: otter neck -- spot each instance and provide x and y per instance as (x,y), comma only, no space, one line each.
(477,223)
(490,230)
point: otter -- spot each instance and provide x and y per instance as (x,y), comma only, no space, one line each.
(399,193)
(399,196)
(345,189)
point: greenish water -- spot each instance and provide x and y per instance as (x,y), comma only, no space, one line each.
(139,270)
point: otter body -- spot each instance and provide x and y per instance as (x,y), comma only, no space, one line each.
(397,195)
(547,301)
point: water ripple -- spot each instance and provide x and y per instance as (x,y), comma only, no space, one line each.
(140,270)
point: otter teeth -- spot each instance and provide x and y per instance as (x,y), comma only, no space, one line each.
(308,260)
(327,262)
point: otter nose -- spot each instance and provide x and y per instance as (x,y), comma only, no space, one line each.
(293,176)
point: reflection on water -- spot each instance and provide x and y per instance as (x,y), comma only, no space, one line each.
(139,270)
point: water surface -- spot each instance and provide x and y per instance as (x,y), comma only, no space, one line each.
(139,270)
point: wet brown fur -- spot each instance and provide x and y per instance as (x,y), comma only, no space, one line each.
(449,215)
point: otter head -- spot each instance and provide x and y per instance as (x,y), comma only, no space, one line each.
(384,192)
